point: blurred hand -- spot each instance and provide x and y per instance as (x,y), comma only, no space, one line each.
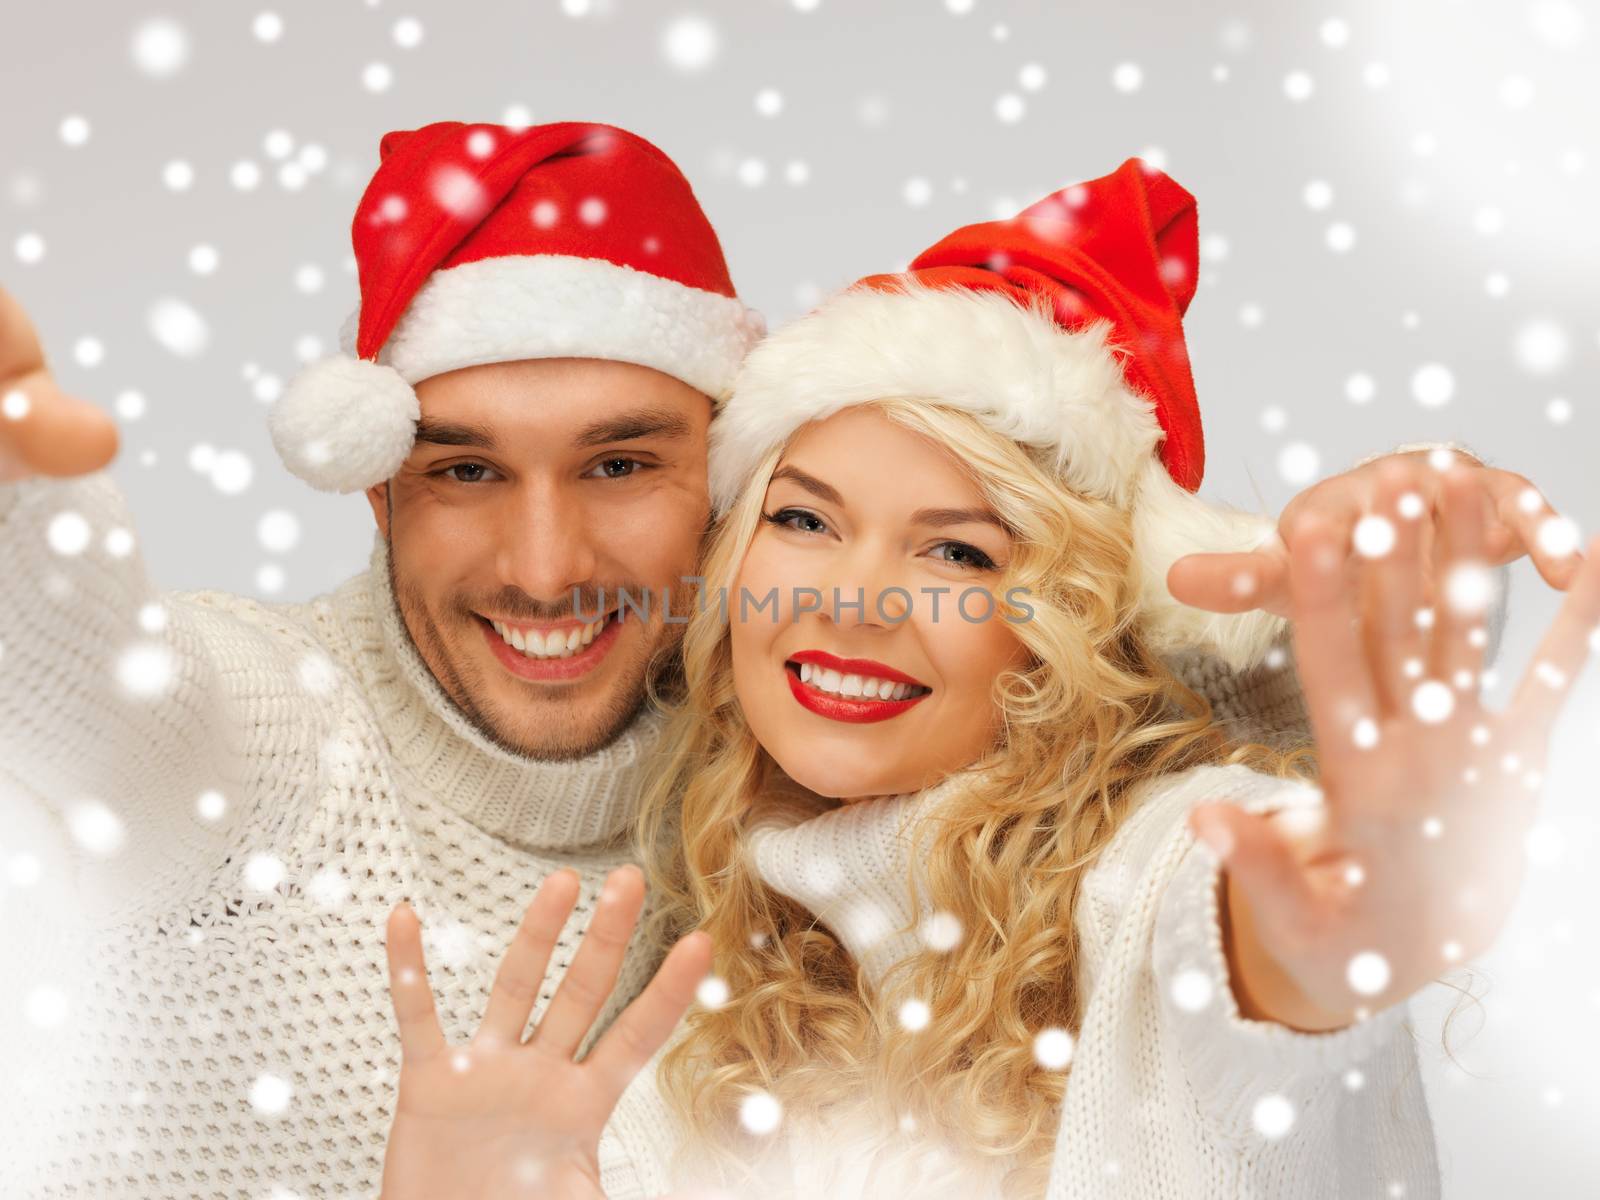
(1416,854)
(501,1117)
(43,431)
(1514,511)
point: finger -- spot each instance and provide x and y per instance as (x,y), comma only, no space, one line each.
(1523,509)
(521,973)
(1466,587)
(420,1035)
(20,351)
(1262,866)
(42,430)
(1559,658)
(1389,543)
(589,980)
(647,1023)
(1334,674)
(1233,583)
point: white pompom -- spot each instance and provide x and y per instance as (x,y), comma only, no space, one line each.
(345,424)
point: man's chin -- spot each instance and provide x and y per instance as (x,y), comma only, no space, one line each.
(556,731)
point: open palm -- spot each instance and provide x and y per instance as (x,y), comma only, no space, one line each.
(1416,855)
(504,1117)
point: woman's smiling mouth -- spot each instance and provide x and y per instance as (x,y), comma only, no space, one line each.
(851,689)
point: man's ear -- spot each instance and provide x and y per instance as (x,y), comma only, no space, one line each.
(378,497)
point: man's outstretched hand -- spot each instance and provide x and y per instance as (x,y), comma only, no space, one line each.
(1514,509)
(500,1117)
(43,431)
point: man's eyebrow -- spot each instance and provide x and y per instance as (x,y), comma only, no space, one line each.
(811,483)
(451,433)
(648,423)
(940,517)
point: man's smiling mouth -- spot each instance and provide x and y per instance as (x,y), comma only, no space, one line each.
(561,641)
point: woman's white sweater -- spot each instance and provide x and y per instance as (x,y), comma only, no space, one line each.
(1169,1093)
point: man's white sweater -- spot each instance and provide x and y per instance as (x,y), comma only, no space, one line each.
(210,805)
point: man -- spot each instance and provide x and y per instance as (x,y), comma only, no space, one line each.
(212,803)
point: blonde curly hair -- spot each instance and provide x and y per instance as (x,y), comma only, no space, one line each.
(1093,713)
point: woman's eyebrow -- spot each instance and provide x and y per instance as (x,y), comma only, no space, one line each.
(940,517)
(811,483)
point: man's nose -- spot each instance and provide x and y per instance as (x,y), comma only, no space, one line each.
(547,546)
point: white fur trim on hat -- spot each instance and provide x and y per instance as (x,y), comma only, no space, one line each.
(1024,376)
(1169,522)
(562,306)
(1014,369)
(344,424)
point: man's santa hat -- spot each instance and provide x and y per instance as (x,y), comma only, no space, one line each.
(481,244)
(1061,328)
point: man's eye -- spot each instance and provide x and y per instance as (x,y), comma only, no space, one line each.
(616,468)
(468,472)
(964,555)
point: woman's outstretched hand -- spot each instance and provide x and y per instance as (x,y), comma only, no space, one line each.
(504,1117)
(1417,853)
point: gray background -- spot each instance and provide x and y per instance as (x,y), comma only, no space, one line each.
(1454,140)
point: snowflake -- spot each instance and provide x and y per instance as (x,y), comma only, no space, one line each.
(270,1094)
(1273,1116)
(712,992)
(760,1112)
(174,324)
(1052,1049)
(1433,384)
(691,44)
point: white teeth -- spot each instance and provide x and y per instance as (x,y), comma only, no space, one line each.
(556,644)
(867,687)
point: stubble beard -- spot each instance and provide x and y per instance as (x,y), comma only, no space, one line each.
(463,684)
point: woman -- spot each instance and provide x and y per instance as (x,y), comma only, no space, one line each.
(966,941)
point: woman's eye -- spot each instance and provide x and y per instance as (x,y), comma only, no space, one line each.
(798,519)
(617,468)
(468,472)
(963,555)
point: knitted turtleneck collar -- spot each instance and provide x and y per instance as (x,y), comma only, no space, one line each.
(587,802)
(851,864)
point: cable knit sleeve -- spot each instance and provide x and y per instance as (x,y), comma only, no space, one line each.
(1232,1061)
(1177,1086)
(111,711)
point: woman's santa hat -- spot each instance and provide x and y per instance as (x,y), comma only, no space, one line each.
(481,244)
(1061,328)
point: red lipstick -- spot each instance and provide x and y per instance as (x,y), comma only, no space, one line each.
(857,710)
(854,666)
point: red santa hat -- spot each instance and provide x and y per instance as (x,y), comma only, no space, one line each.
(481,243)
(1061,328)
